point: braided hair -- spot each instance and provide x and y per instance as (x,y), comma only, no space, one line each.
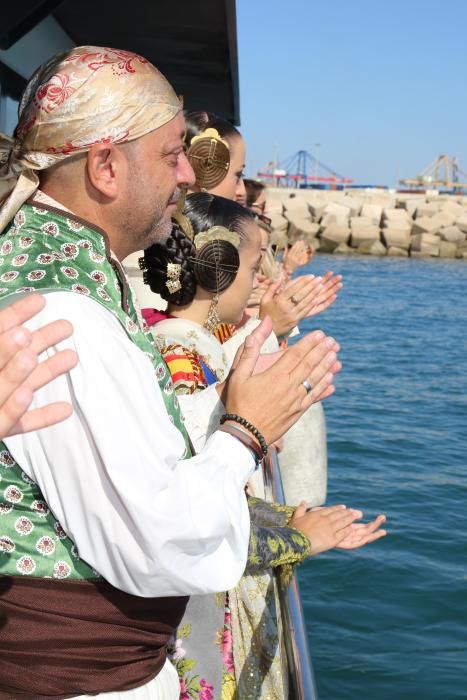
(213,267)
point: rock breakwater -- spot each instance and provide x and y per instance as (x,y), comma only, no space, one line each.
(371,222)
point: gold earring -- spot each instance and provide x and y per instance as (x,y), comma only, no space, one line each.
(213,319)
(173,283)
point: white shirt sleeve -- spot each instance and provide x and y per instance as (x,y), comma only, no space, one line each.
(151,523)
(202,412)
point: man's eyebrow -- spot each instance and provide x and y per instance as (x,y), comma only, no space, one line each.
(173,146)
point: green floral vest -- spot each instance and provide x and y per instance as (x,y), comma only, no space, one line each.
(44,249)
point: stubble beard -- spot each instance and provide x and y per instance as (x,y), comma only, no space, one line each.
(155,230)
(159,230)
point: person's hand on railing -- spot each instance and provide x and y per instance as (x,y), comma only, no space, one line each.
(274,399)
(21,374)
(334,526)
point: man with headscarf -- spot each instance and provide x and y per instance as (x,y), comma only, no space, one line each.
(108,521)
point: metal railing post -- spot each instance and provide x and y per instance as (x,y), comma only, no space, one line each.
(302,684)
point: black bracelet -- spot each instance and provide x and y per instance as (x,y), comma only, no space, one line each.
(251,428)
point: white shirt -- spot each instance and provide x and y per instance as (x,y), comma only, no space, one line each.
(151,523)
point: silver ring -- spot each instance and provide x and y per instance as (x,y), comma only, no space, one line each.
(307,386)
(293,300)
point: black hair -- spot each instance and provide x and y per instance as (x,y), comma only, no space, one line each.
(197,122)
(253,190)
(213,267)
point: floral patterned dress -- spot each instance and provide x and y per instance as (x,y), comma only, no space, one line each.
(228,645)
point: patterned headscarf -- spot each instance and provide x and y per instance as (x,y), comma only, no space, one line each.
(88,95)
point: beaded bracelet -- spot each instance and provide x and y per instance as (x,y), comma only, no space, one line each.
(251,428)
(246,440)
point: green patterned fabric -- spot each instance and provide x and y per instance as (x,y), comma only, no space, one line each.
(32,541)
(47,250)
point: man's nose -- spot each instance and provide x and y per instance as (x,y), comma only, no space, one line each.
(185,174)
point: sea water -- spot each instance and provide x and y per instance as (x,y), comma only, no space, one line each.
(389,622)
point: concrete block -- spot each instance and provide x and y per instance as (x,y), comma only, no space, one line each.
(343,249)
(367,234)
(279,238)
(399,225)
(427,209)
(278,222)
(410,203)
(373,212)
(380,199)
(300,227)
(274,199)
(453,208)
(335,214)
(297,205)
(354,204)
(395,251)
(447,250)
(423,239)
(452,234)
(427,250)
(444,218)
(423,225)
(429,224)
(316,209)
(396,237)
(360,222)
(394,217)
(331,236)
(372,248)
(461,223)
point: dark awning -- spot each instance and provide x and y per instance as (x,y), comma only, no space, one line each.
(193,43)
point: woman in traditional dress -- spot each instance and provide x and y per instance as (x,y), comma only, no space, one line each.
(206,271)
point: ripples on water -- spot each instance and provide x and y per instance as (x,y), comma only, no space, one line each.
(389,622)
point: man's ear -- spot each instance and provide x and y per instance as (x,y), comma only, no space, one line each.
(105,166)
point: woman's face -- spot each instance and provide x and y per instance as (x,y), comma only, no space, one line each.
(233,302)
(264,242)
(232,186)
(259,207)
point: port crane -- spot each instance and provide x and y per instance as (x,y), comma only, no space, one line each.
(301,170)
(444,172)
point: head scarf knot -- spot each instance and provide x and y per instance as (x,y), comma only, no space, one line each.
(88,95)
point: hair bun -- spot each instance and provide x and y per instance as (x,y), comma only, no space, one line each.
(179,250)
(209,157)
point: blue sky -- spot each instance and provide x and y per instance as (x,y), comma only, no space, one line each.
(381,85)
